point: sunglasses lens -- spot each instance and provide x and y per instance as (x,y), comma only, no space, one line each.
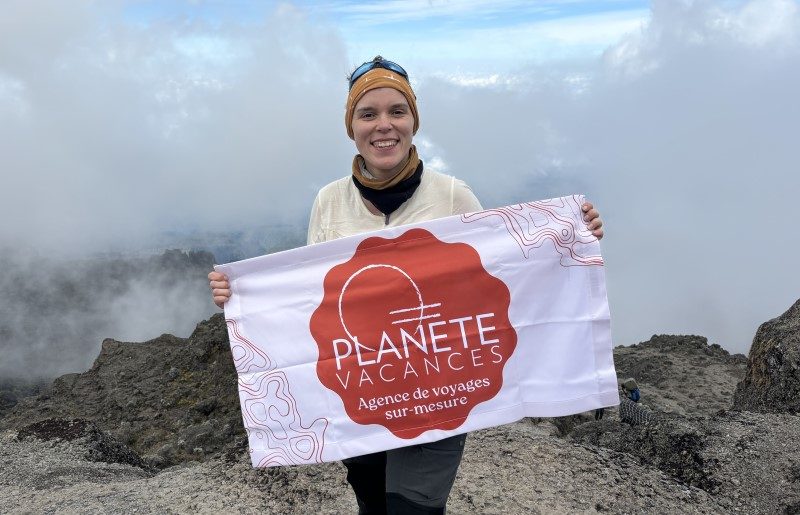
(361,70)
(369,65)
(395,68)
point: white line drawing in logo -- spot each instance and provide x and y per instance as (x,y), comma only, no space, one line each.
(421,308)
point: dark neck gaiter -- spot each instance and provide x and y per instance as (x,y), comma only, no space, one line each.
(389,199)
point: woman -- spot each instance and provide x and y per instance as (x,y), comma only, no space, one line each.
(387,187)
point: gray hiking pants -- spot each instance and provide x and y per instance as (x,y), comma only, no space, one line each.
(409,480)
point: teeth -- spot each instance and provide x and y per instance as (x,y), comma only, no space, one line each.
(385,144)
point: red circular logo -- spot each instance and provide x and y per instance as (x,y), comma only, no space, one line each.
(412,333)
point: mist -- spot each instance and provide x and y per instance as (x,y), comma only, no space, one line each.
(112,131)
(685,137)
(117,133)
(62,309)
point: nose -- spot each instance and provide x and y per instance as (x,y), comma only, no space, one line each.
(384,122)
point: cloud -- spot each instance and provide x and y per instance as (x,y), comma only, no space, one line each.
(683,131)
(61,310)
(697,136)
(532,41)
(114,135)
(460,38)
(685,137)
(112,131)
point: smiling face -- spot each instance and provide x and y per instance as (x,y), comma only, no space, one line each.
(383,127)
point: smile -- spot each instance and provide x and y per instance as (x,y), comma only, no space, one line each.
(385,143)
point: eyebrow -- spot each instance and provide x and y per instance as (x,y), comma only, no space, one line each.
(400,105)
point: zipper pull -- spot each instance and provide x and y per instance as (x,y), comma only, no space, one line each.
(386,219)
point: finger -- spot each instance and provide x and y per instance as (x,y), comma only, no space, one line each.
(595,224)
(220,292)
(586,206)
(217,276)
(219,284)
(591,215)
(598,233)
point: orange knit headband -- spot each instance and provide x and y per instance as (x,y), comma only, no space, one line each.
(374,79)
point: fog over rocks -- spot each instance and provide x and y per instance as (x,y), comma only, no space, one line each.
(60,310)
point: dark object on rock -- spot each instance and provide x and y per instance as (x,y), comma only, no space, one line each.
(100,446)
(633,413)
(630,411)
(57,429)
(629,385)
(630,389)
(772,382)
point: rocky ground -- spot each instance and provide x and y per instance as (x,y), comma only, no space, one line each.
(154,427)
(170,399)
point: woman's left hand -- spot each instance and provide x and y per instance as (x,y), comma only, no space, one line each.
(593,221)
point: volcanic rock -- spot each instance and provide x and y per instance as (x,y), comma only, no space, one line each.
(11,391)
(100,446)
(772,382)
(682,374)
(173,402)
(170,399)
(746,462)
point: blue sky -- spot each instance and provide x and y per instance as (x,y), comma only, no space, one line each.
(450,37)
(427,14)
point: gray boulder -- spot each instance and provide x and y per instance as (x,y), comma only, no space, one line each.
(772,381)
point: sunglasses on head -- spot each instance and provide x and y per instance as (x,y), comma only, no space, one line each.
(378,62)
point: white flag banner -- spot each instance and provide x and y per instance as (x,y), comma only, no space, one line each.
(415,333)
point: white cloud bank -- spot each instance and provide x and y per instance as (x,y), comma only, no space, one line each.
(111,131)
(686,136)
(684,133)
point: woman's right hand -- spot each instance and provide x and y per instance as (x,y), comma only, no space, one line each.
(220,288)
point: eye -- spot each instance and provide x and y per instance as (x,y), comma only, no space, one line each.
(367,115)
